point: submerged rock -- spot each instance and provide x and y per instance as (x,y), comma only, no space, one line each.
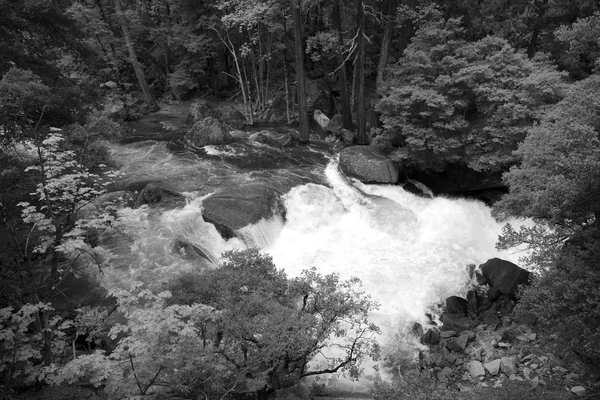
(368,164)
(233,208)
(153,194)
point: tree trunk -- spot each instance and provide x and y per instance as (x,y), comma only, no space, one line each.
(362,137)
(300,78)
(137,67)
(342,70)
(385,43)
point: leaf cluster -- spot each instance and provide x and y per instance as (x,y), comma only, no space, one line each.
(464,102)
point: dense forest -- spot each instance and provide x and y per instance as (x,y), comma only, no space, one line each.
(508,89)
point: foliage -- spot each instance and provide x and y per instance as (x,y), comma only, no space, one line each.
(556,185)
(271,320)
(463,102)
(582,40)
(411,384)
(20,349)
(23,99)
(557,179)
(159,346)
(565,298)
(243,327)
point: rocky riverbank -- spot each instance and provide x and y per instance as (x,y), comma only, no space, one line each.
(482,343)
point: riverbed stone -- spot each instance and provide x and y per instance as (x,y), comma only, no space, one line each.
(209,131)
(236,207)
(368,164)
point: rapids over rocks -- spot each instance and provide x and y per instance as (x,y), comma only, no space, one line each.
(410,252)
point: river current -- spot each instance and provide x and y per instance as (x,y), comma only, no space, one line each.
(410,252)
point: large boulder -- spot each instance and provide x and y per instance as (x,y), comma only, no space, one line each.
(236,207)
(201,109)
(209,131)
(503,277)
(368,164)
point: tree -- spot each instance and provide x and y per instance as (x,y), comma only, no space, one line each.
(270,327)
(556,184)
(460,102)
(300,74)
(133,58)
(242,327)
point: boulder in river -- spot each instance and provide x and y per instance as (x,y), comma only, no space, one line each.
(236,207)
(503,277)
(209,131)
(368,164)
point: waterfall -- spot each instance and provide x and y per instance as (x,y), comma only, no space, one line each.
(410,252)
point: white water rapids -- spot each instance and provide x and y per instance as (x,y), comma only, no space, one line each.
(410,252)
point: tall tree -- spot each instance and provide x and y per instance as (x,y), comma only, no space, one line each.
(300,73)
(362,137)
(341,67)
(133,58)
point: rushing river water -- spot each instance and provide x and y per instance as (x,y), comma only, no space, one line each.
(410,252)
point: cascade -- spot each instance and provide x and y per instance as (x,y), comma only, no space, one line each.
(410,252)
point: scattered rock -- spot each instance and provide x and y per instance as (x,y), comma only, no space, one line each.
(508,366)
(447,334)
(458,322)
(475,369)
(578,390)
(209,131)
(493,367)
(368,164)
(431,337)
(444,373)
(458,344)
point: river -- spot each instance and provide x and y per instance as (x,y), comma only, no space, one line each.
(410,252)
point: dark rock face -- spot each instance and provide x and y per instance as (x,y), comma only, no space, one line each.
(209,131)
(201,109)
(457,305)
(461,180)
(503,277)
(368,164)
(233,208)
